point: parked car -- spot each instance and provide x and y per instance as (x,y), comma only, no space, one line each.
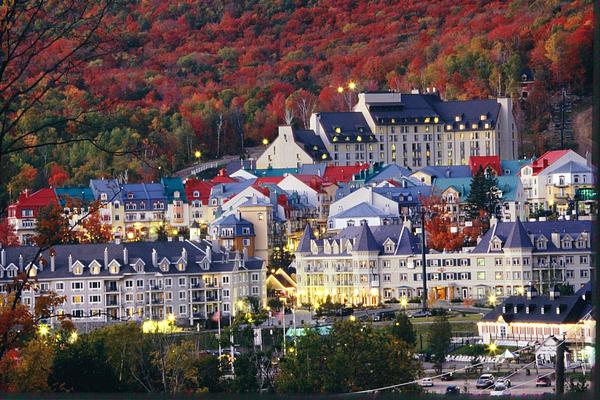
(426,382)
(505,381)
(452,389)
(500,390)
(345,311)
(447,377)
(543,381)
(384,316)
(419,314)
(485,381)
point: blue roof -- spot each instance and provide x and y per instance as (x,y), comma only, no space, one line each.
(235,222)
(517,237)
(513,167)
(110,187)
(366,241)
(84,195)
(304,243)
(144,191)
(224,190)
(404,196)
(313,169)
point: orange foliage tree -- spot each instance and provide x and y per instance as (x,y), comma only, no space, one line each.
(8,236)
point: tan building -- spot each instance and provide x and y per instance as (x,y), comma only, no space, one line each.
(293,148)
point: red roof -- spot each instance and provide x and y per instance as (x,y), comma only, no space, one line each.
(202,187)
(314,181)
(343,173)
(546,160)
(268,179)
(483,162)
(32,201)
(222,177)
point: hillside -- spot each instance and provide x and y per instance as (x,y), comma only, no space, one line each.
(187,75)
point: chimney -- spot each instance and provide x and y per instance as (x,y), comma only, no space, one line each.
(479,239)
(125,255)
(209,253)
(3,257)
(504,309)
(20,262)
(527,309)
(370,195)
(70,263)
(169,239)
(493,221)
(52,261)
(556,238)
(557,310)
(543,309)
(117,240)
(245,253)
(154,258)
(106,258)
(554,293)
(531,292)
(184,254)
(515,309)
(181,238)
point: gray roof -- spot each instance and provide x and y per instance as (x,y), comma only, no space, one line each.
(572,167)
(87,253)
(518,237)
(304,243)
(447,171)
(535,230)
(313,169)
(572,309)
(312,143)
(408,196)
(391,171)
(362,210)
(351,126)
(366,241)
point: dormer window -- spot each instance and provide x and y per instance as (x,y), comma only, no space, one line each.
(393,120)
(103,196)
(32,271)
(195,193)
(176,194)
(113,269)
(496,244)
(130,195)
(541,244)
(335,139)
(389,247)
(566,244)
(486,126)
(457,118)
(461,126)
(95,268)
(448,127)
(78,269)
(338,130)
(181,267)
(164,267)
(483,117)
(142,206)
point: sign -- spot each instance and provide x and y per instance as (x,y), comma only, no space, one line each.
(583,194)
(545,354)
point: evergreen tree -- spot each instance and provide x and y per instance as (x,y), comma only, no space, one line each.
(403,329)
(482,196)
(440,334)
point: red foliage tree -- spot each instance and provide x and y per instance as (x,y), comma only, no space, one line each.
(58,176)
(8,236)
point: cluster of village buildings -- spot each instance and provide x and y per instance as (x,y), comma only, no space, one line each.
(343,196)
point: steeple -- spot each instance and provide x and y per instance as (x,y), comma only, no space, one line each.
(518,237)
(365,240)
(304,244)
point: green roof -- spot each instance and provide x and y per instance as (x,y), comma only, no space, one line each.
(173,185)
(273,172)
(84,194)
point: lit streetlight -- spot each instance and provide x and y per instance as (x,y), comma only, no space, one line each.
(43,330)
(198,154)
(73,337)
(404,303)
(340,89)
(492,299)
(352,85)
(492,347)
(265,142)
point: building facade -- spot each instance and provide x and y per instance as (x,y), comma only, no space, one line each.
(369,265)
(105,283)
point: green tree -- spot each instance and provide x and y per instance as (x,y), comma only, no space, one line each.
(440,335)
(403,329)
(482,194)
(351,357)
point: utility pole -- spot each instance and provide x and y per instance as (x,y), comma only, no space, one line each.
(560,367)
(423,261)
(562,120)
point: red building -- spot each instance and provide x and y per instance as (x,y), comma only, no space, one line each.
(23,214)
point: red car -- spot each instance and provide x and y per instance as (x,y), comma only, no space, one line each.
(543,381)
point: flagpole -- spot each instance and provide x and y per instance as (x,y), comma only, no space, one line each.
(231,348)
(283,326)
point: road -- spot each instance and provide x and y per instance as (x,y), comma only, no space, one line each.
(252,152)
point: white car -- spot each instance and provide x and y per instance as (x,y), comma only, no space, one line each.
(426,382)
(500,390)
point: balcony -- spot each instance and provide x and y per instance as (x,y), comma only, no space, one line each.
(157,301)
(198,315)
(212,298)
(198,299)
(111,288)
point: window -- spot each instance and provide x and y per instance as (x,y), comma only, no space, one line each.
(77,285)
(95,299)
(481,275)
(225,280)
(78,299)
(168,296)
(59,286)
(254,277)
(570,274)
(129,284)
(387,277)
(481,262)
(77,313)
(182,309)
(584,273)
(516,275)
(583,259)
(114,269)
(129,298)
(78,269)
(569,259)
(403,277)
(94,285)
(225,293)
(182,295)
(499,275)
(168,282)
(498,261)
(182,281)
(255,291)
(139,297)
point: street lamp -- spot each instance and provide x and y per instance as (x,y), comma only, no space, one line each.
(43,330)
(265,141)
(197,154)
(404,303)
(492,347)
(492,299)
